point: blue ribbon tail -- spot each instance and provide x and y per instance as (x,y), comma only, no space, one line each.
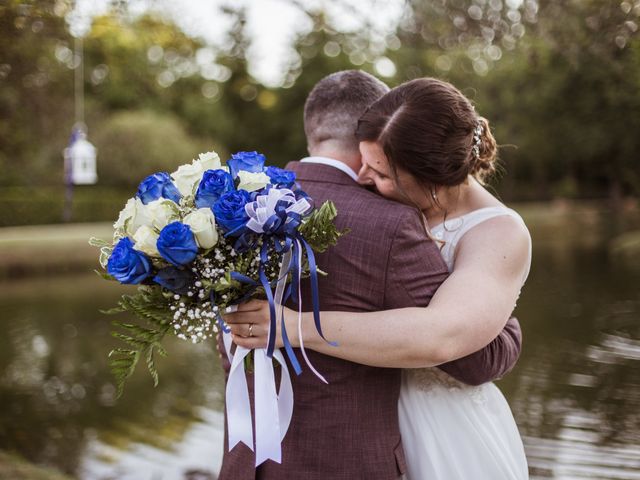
(238,277)
(314,289)
(295,281)
(221,324)
(285,338)
(271,344)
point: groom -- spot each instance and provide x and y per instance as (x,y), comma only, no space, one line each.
(348,429)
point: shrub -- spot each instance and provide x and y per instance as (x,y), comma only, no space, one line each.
(132,145)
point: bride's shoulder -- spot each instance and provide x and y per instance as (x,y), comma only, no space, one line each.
(504,235)
(502,224)
(498,248)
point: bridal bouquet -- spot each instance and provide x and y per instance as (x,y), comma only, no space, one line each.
(202,239)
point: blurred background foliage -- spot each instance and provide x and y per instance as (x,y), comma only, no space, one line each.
(558,79)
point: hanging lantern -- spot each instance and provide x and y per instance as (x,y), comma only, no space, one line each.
(80,158)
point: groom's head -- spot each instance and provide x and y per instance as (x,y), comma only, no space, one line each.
(332,111)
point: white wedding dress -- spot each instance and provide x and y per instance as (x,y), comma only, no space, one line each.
(452,431)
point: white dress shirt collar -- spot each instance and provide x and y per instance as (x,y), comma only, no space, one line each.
(332,162)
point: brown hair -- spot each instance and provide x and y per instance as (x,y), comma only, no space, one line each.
(335,104)
(426,127)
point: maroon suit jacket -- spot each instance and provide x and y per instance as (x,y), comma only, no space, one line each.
(349,428)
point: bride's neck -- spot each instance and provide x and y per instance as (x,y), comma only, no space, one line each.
(451,202)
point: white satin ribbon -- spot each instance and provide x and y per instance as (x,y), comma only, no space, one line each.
(300,340)
(273,410)
(264,207)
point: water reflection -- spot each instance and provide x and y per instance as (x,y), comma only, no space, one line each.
(58,399)
(575,392)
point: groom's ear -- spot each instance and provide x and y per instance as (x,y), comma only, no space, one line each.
(358,164)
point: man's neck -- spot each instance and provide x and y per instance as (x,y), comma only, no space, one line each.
(353,162)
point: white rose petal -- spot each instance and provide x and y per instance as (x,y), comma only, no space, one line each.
(126,213)
(141,216)
(187,176)
(163,212)
(145,241)
(209,161)
(251,181)
(203,226)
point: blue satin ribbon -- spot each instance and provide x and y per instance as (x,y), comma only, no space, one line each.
(315,295)
(285,338)
(221,324)
(281,231)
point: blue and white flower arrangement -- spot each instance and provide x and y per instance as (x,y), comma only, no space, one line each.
(202,239)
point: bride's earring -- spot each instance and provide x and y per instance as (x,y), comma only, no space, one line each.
(434,196)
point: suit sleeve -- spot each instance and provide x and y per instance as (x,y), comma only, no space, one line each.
(222,355)
(415,270)
(493,361)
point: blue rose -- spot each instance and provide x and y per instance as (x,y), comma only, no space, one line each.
(158,185)
(178,280)
(128,265)
(281,177)
(213,184)
(229,210)
(176,244)
(247,161)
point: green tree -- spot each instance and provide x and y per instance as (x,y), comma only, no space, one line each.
(35,88)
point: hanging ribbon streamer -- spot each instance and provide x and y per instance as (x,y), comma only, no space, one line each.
(273,410)
(279,300)
(276,215)
(300,340)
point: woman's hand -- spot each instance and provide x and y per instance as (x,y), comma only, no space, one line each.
(249,324)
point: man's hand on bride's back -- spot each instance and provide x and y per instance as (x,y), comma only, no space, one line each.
(249,325)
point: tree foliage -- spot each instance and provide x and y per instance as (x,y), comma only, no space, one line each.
(558,80)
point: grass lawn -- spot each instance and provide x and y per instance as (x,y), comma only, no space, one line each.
(16,468)
(50,248)
(63,248)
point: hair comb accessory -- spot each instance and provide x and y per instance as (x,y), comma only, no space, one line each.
(477,140)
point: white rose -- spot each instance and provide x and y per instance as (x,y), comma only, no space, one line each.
(141,216)
(163,212)
(209,161)
(145,241)
(203,226)
(126,213)
(187,177)
(251,181)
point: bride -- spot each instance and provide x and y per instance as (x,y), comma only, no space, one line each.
(423,144)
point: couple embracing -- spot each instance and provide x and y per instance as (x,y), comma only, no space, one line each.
(418,295)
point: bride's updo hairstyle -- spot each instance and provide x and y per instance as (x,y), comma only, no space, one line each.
(428,128)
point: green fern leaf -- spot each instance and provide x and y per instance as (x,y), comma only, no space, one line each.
(319,230)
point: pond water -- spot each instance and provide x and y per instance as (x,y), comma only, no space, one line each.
(575,392)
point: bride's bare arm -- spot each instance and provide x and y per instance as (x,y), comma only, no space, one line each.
(467,312)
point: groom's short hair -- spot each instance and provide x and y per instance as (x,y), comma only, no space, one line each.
(336,103)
